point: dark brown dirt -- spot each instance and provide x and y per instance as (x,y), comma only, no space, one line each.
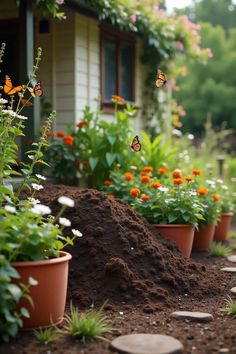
(122,259)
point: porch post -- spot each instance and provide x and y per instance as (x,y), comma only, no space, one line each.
(26,22)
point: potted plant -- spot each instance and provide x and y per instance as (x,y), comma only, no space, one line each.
(33,265)
(170,203)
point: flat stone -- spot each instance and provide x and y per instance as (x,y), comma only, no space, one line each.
(232,258)
(233,290)
(229,269)
(192,316)
(144,343)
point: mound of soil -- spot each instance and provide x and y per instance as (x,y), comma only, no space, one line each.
(122,258)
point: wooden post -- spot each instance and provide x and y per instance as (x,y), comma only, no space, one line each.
(26,22)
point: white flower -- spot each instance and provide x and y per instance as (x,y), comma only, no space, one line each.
(41,177)
(210,182)
(224,187)
(3,101)
(219,181)
(34,201)
(40,209)
(36,186)
(21,117)
(163,189)
(64,222)
(77,233)
(66,201)
(31,157)
(192,193)
(176,132)
(9,112)
(134,168)
(190,136)
(10,208)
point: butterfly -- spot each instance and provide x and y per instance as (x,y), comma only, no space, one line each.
(9,89)
(37,90)
(136,146)
(161,79)
(26,102)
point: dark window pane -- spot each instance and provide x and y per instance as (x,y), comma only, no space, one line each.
(109,69)
(126,71)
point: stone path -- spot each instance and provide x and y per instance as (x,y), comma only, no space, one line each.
(232,258)
(229,269)
(192,316)
(147,343)
(233,290)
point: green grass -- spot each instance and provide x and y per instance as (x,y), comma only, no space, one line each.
(219,250)
(46,335)
(88,325)
(230,307)
(232,235)
(233,247)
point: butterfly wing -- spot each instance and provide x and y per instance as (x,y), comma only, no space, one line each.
(161,78)
(136,146)
(8,87)
(31,90)
(38,89)
(19,88)
(26,102)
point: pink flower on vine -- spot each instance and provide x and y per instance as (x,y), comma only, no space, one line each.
(209,53)
(60,2)
(133,18)
(180,45)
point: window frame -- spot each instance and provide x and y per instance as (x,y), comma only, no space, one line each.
(108,31)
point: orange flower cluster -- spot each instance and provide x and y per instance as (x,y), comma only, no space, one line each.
(177,181)
(107,183)
(196,172)
(134,192)
(216,197)
(189,178)
(82,124)
(110,196)
(50,134)
(68,140)
(145,179)
(128,176)
(118,99)
(85,163)
(202,191)
(156,185)
(162,170)
(147,169)
(144,197)
(60,134)
(177,173)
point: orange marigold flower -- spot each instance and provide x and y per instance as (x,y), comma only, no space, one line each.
(196,172)
(68,140)
(145,197)
(50,134)
(110,196)
(156,185)
(162,170)
(60,134)
(118,99)
(85,163)
(178,181)
(148,169)
(189,178)
(202,191)
(128,176)
(107,183)
(216,197)
(177,173)
(134,192)
(145,179)
(82,124)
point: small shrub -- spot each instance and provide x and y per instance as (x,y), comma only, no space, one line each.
(230,307)
(232,235)
(88,325)
(46,335)
(219,250)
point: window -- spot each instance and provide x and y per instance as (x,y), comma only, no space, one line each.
(117,65)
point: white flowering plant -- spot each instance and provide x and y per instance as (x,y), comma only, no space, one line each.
(28,230)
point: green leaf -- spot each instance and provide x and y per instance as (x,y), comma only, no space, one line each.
(24,312)
(15,291)
(93,162)
(110,158)
(111,139)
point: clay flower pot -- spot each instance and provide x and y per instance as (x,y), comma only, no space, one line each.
(203,238)
(222,227)
(181,234)
(49,296)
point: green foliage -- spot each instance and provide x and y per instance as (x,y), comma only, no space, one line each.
(232,235)
(46,335)
(219,250)
(230,307)
(48,7)
(87,326)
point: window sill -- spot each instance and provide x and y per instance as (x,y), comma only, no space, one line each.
(109,107)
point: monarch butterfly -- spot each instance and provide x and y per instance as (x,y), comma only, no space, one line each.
(161,79)
(37,90)
(136,146)
(9,89)
(26,102)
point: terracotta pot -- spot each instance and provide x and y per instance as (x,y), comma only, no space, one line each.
(203,238)
(222,227)
(181,234)
(49,296)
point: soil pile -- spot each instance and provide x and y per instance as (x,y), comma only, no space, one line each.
(122,258)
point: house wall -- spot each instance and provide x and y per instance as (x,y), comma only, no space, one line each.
(8,9)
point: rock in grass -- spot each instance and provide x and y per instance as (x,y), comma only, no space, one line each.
(192,316)
(229,269)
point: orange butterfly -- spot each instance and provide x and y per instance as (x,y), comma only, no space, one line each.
(26,102)
(9,89)
(37,90)
(161,79)
(136,146)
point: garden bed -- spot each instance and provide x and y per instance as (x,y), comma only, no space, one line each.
(143,277)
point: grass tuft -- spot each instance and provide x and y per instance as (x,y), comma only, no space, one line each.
(219,250)
(46,335)
(232,235)
(230,307)
(87,326)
